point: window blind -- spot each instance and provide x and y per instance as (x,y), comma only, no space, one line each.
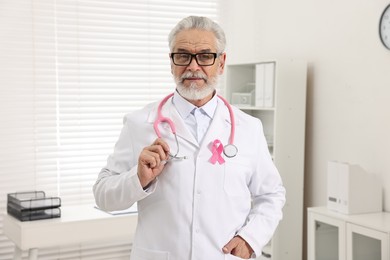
(69,71)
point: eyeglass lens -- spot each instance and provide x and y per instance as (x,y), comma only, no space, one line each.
(202,59)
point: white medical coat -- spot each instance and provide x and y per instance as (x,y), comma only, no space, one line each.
(194,207)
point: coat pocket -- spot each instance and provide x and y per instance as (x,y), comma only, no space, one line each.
(232,257)
(139,253)
(236,179)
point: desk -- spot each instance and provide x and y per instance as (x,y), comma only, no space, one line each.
(77,224)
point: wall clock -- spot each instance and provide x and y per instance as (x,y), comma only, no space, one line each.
(384,27)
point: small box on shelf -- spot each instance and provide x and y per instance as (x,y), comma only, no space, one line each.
(345,185)
(242,99)
(244,96)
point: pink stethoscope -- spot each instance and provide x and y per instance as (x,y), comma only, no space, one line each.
(230,150)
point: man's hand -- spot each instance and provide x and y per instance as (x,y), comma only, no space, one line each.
(237,246)
(151,161)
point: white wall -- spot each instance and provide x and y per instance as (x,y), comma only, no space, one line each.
(348,102)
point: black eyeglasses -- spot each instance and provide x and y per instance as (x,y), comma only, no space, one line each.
(202,59)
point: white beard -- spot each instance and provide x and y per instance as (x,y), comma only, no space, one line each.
(193,92)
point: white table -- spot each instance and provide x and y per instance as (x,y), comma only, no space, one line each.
(77,224)
(332,235)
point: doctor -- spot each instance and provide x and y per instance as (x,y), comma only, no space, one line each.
(204,180)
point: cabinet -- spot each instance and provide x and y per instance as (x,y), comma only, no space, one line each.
(283,119)
(335,236)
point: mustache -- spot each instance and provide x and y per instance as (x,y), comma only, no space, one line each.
(196,74)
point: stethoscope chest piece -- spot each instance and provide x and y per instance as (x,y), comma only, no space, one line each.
(230,150)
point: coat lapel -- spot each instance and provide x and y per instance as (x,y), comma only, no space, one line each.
(219,127)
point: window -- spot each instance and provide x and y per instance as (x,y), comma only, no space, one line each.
(69,71)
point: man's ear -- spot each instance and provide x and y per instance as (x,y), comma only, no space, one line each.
(222,61)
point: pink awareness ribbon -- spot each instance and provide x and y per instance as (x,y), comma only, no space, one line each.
(216,150)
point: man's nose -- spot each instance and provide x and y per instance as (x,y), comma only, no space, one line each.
(193,66)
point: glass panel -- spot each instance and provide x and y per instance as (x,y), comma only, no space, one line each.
(365,247)
(326,242)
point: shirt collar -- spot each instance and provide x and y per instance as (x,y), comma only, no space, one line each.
(185,108)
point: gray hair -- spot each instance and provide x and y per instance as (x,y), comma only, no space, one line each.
(201,23)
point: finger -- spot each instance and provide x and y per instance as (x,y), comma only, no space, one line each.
(159,150)
(149,159)
(240,252)
(151,155)
(227,249)
(148,167)
(243,249)
(164,145)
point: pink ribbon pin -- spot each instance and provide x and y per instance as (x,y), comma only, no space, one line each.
(216,150)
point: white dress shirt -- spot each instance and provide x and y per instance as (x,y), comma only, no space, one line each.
(197,119)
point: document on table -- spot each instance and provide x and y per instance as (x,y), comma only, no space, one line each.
(132,209)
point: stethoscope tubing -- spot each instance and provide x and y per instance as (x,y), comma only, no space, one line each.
(232,120)
(160,118)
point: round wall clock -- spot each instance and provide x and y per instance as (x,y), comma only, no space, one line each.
(384,27)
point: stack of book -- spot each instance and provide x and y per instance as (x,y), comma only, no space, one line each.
(33,205)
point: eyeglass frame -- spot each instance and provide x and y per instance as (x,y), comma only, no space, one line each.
(193,55)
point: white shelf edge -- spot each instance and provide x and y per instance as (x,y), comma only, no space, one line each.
(254,108)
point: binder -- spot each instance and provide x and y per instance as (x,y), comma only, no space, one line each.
(269,83)
(259,85)
(265,84)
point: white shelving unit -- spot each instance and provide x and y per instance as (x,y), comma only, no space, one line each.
(284,127)
(335,236)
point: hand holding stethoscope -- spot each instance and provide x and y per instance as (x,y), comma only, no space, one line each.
(153,158)
(151,161)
